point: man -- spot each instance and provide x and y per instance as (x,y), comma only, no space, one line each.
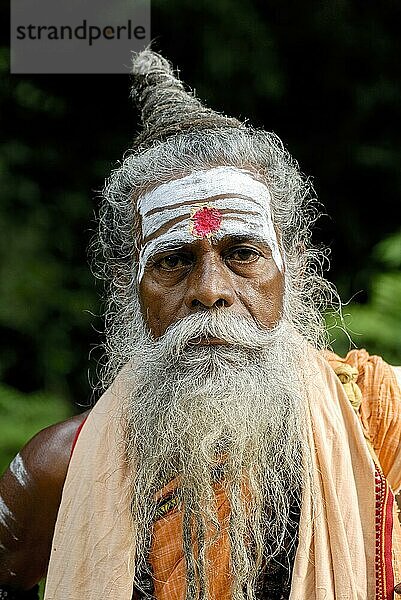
(231,457)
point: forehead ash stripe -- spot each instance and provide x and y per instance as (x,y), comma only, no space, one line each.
(177,225)
(152,223)
(200,185)
(212,199)
(223,188)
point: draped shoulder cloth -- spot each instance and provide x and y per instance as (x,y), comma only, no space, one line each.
(348,533)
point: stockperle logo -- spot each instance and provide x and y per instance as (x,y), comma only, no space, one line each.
(77,36)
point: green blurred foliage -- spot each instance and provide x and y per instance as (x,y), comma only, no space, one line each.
(376,325)
(22,416)
(323,76)
(46,289)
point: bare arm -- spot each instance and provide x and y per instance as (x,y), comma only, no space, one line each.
(30,494)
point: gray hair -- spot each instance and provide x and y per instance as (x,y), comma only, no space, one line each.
(180,135)
(293,204)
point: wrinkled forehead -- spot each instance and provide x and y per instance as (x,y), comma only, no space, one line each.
(212,204)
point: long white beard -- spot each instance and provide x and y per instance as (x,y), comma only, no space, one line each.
(191,405)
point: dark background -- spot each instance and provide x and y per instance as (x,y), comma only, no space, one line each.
(325,76)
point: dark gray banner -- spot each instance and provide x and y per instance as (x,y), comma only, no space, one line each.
(77,36)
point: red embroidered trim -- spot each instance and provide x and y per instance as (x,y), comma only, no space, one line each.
(384,541)
(205,221)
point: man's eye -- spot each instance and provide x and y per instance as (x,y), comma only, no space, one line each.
(173,261)
(244,255)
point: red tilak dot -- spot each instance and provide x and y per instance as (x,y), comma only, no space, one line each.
(205,222)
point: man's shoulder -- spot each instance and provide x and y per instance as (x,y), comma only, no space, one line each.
(372,385)
(30,493)
(48,453)
(42,463)
(369,369)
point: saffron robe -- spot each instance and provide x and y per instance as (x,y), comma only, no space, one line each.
(348,544)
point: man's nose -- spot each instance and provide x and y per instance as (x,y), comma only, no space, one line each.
(209,285)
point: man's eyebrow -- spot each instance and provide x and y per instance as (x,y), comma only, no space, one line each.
(169,247)
(246,237)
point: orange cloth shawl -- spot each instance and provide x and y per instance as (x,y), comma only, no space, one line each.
(347,546)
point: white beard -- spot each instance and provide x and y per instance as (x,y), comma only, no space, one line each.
(193,405)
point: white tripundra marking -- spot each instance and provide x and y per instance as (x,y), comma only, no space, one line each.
(243,201)
(19,471)
(159,219)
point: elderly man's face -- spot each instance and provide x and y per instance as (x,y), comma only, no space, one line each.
(233,274)
(209,243)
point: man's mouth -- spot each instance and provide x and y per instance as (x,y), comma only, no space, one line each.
(207,341)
